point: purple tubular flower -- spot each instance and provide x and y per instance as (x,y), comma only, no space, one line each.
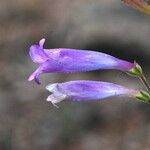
(63,60)
(86,90)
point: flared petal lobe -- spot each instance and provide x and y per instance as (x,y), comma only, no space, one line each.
(49,66)
(141,5)
(63,60)
(37,53)
(86,90)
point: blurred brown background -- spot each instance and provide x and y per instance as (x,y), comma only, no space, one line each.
(27,121)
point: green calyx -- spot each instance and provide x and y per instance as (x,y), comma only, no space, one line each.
(143,96)
(136,71)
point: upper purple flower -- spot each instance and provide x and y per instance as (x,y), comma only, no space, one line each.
(86,90)
(63,60)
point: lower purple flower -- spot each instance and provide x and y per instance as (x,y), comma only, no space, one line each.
(63,60)
(86,90)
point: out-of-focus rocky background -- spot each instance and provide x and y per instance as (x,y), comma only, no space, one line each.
(27,121)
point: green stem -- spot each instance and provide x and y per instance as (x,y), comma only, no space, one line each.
(145,83)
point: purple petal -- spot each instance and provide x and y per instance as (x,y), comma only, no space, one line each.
(37,53)
(64,60)
(86,90)
(46,67)
(41,42)
(35,75)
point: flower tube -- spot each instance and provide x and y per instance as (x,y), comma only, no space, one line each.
(87,90)
(63,60)
(141,5)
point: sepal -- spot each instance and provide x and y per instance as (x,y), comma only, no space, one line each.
(143,96)
(136,71)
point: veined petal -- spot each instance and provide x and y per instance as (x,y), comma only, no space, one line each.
(86,90)
(141,5)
